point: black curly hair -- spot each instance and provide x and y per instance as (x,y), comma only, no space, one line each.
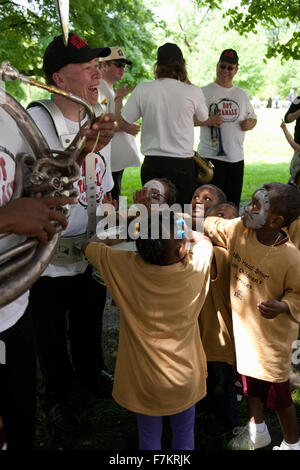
(219,193)
(284,201)
(172,191)
(156,248)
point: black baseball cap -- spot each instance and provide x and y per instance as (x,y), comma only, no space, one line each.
(57,55)
(169,54)
(229,55)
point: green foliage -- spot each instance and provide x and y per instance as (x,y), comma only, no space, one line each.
(288,50)
(202,28)
(249,15)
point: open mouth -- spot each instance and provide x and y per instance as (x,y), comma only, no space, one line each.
(93,90)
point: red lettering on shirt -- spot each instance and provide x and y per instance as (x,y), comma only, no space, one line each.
(5,198)
(229,112)
(2,168)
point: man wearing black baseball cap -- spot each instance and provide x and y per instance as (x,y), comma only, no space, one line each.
(77,51)
(223,144)
(68,283)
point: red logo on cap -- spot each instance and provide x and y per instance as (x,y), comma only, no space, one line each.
(229,54)
(77,41)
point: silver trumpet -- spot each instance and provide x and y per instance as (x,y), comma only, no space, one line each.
(215,132)
(39,169)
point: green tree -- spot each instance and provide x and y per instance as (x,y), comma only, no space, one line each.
(248,15)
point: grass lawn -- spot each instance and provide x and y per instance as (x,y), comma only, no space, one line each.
(267,155)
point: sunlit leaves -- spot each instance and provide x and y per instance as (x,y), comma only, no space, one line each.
(249,15)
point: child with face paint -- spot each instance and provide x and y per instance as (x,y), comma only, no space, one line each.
(157,192)
(215,322)
(161,365)
(265,302)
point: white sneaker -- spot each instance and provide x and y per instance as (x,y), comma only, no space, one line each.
(245,441)
(285,446)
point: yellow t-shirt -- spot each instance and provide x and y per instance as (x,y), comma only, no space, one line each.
(294,232)
(215,320)
(161,364)
(260,273)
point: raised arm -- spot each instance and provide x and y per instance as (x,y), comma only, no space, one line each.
(289,136)
(213,121)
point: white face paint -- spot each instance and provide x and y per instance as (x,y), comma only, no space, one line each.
(256,213)
(156,190)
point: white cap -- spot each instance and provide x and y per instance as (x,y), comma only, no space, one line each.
(116,54)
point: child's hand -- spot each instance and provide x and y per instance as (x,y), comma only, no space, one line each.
(272,308)
(283,125)
(107,199)
(141,196)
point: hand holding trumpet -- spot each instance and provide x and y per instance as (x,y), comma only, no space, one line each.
(215,120)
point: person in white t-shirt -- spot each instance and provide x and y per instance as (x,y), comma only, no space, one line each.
(223,145)
(124,152)
(19,218)
(67,293)
(167,106)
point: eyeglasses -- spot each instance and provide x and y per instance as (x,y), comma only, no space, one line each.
(226,67)
(119,65)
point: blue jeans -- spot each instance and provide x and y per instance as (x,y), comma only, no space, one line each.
(182,425)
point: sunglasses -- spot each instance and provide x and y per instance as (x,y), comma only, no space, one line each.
(226,67)
(120,65)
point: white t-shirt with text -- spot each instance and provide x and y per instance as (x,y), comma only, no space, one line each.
(234,106)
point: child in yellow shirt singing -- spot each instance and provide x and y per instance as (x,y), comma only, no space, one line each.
(265,301)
